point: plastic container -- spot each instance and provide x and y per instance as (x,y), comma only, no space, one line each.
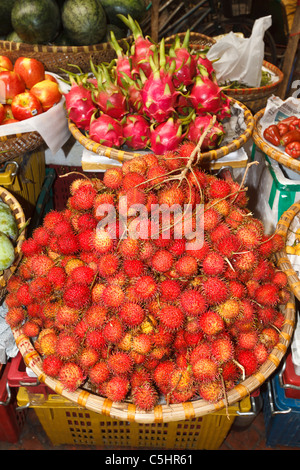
(66,423)
(295,347)
(21,376)
(11,420)
(290,381)
(272,189)
(45,200)
(281,416)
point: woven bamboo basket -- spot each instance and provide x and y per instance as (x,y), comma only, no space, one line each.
(162,413)
(272,152)
(282,259)
(206,157)
(15,145)
(56,58)
(256,98)
(18,213)
(196,39)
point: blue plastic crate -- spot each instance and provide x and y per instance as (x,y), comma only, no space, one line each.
(45,201)
(281,416)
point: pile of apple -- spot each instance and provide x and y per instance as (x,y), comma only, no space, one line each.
(26,89)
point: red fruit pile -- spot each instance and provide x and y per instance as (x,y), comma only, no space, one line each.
(149,97)
(143,316)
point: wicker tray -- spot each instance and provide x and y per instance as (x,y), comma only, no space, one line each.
(272,152)
(283,261)
(162,413)
(17,211)
(15,145)
(196,39)
(256,98)
(206,157)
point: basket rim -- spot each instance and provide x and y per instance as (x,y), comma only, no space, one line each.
(280,157)
(162,413)
(282,259)
(123,155)
(259,90)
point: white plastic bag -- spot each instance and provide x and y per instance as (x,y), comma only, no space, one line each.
(240,59)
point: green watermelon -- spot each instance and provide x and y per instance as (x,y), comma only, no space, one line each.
(135,8)
(5,16)
(36,21)
(84,21)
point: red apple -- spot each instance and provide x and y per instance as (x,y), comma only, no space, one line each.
(9,121)
(31,70)
(11,84)
(2,113)
(50,77)
(47,92)
(5,63)
(8,111)
(26,105)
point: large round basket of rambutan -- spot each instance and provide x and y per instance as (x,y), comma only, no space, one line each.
(12,221)
(157,314)
(288,258)
(155,100)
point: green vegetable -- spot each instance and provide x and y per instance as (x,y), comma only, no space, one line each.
(8,224)
(7,252)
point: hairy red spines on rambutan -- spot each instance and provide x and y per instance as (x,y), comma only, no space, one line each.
(172,317)
(119,363)
(83,198)
(77,295)
(67,345)
(267,294)
(205,369)
(132,314)
(186,266)
(71,376)
(113,178)
(192,302)
(211,322)
(247,359)
(99,373)
(144,396)
(113,330)
(213,264)
(146,287)
(15,316)
(52,365)
(217,189)
(215,290)
(117,388)
(162,260)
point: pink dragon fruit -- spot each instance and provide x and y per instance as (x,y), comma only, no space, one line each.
(205,95)
(198,125)
(158,92)
(124,65)
(80,106)
(203,61)
(166,136)
(185,62)
(106,131)
(136,131)
(109,96)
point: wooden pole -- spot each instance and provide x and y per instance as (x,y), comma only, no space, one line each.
(155,20)
(290,54)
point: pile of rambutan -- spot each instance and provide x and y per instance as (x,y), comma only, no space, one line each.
(132,311)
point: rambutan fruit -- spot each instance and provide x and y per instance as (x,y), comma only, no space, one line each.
(67,345)
(71,376)
(278,243)
(245,261)
(80,181)
(101,241)
(83,198)
(52,219)
(261,353)
(95,315)
(31,247)
(247,339)
(279,321)
(24,295)
(205,369)
(40,287)
(229,309)
(113,330)
(211,219)
(248,237)
(136,165)
(186,266)
(94,339)
(215,290)
(144,396)
(213,264)
(202,349)
(57,276)
(99,373)
(145,287)
(222,348)
(47,343)
(41,236)
(222,206)
(170,289)
(117,388)
(267,295)
(237,289)
(211,391)
(113,296)
(67,244)
(133,267)
(66,317)
(161,374)
(156,175)
(230,371)
(211,322)
(31,328)
(171,195)
(82,275)
(266,314)
(161,336)
(13,283)
(280,279)
(41,265)
(217,189)
(129,248)
(87,358)
(235,217)
(171,317)
(141,343)
(162,260)
(181,379)
(181,396)
(269,337)
(52,365)
(227,245)
(15,316)
(113,178)
(34,309)
(132,314)
(139,376)
(63,228)
(132,179)
(119,363)
(77,295)
(284,296)
(247,359)
(192,302)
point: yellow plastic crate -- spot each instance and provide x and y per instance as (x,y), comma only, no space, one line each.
(24,178)
(66,423)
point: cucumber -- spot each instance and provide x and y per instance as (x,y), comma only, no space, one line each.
(84,21)
(36,21)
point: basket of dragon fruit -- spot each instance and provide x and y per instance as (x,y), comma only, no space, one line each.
(256,98)
(168,97)
(162,324)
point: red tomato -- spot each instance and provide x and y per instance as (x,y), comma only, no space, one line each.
(31,70)
(2,113)
(5,63)
(26,105)
(11,84)
(47,92)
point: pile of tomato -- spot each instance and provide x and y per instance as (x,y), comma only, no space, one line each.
(285,133)
(26,89)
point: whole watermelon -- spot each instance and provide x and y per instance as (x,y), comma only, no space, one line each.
(36,21)
(84,22)
(5,16)
(135,8)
